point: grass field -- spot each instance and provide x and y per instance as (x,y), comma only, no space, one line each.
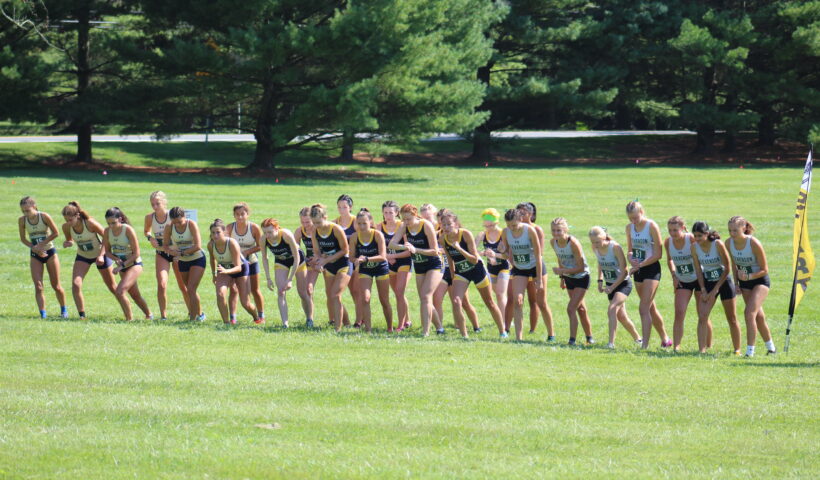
(104,399)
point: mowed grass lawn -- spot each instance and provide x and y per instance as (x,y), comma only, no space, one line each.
(105,399)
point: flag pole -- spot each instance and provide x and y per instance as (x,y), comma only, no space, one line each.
(794,278)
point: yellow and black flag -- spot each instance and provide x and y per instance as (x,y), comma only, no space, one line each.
(803,257)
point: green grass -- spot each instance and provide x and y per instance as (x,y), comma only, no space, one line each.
(103,399)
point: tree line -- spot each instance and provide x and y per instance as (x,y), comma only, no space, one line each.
(302,73)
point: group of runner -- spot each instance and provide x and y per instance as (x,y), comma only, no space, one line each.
(354,252)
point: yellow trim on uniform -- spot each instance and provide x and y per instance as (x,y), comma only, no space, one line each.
(484,283)
(279,266)
(302,267)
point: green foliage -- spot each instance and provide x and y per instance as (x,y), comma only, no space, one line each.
(314,68)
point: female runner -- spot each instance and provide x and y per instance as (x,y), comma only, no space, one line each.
(37,232)
(331,252)
(428,212)
(303,236)
(466,266)
(249,236)
(686,278)
(521,241)
(537,297)
(121,246)
(752,272)
(79,227)
(154,230)
(284,248)
(370,258)
(181,239)
(574,273)
(488,242)
(421,242)
(344,205)
(712,258)
(398,261)
(644,246)
(229,267)
(613,272)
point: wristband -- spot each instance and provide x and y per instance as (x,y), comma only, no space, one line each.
(600,281)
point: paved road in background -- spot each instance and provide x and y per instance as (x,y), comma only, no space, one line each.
(249,138)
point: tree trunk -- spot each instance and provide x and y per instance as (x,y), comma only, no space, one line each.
(264,153)
(730,137)
(82,123)
(623,118)
(482,143)
(766,135)
(705,142)
(348,141)
(482,151)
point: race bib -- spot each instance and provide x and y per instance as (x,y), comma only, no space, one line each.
(228,266)
(463,266)
(36,240)
(639,254)
(714,275)
(371,264)
(159,241)
(745,268)
(85,246)
(684,269)
(121,256)
(609,276)
(522,259)
(419,258)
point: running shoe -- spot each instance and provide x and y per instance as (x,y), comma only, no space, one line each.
(550,338)
(233,321)
(610,346)
(201,317)
(504,335)
(440,331)
(285,325)
(666,343)
(771,352)
(639,341)
(309,323)
(477,329)
(259,321)
(571,343)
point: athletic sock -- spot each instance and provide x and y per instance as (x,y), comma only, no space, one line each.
(82,314)
(750,350)
(261,314)
(770,346)
(42,314)
(589,338)
(63,309)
